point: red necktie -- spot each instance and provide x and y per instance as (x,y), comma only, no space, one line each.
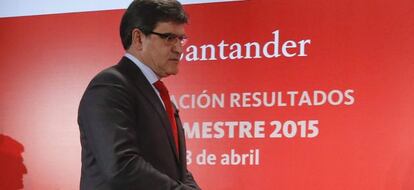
(159,85)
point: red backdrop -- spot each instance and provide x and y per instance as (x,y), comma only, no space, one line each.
(363,47)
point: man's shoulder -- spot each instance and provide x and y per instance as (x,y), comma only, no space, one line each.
(119,73)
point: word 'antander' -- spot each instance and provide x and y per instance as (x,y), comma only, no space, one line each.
(250,50)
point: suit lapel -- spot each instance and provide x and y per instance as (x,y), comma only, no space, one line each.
(181,139)
(146,89)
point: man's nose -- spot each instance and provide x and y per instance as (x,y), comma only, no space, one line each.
(178,47)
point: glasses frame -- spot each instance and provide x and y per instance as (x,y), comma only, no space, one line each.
(171,38)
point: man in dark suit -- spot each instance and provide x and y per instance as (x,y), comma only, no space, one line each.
(131,134)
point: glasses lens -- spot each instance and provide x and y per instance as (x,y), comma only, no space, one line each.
(172,38)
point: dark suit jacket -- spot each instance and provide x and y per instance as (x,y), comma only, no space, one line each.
(126,136)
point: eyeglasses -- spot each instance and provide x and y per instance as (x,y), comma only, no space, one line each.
(171,38)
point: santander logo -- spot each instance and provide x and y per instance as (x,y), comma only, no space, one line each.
(273,48)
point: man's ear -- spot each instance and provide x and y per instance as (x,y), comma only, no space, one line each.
(137,38)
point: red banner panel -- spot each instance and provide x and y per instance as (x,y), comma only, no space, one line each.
(314,95)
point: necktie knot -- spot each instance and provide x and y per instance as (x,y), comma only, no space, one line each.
(159,85)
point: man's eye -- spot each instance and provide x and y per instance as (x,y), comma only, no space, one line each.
(171,37)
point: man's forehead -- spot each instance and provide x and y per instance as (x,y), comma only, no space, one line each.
(170,27)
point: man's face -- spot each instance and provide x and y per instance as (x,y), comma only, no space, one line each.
(159,54)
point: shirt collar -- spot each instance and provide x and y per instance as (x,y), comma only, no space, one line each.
(147,71)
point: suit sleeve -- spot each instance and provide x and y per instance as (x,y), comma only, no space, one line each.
(106,117)
(189,181)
